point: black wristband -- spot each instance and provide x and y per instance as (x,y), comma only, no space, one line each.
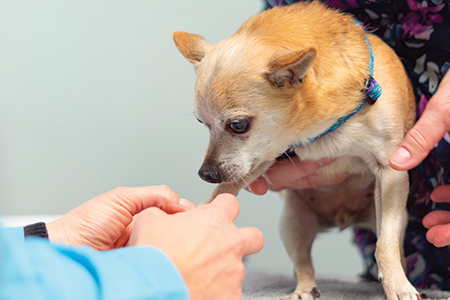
(36,229)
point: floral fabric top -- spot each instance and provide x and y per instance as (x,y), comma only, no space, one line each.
(419,32)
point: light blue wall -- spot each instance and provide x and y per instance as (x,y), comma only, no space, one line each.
(94,95)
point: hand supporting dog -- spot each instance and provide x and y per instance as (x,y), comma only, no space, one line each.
(293,173)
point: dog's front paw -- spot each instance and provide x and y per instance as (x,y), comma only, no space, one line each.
(403,296)
(398,289)
(314,293)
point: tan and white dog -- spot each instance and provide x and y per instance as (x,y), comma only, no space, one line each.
(289,75)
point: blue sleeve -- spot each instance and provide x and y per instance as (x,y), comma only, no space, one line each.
(33,268)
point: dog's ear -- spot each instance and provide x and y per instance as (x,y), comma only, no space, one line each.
(290,67)
(192,46)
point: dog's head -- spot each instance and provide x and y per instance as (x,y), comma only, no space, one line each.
(248,94)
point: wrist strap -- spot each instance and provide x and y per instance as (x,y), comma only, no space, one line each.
(37,229)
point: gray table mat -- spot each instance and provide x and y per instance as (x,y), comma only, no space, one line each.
(263,286)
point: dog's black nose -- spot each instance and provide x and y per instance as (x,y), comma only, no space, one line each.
(209,174)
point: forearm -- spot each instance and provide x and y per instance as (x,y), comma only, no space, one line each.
(36,269)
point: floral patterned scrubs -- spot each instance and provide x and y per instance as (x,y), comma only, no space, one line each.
(419,32)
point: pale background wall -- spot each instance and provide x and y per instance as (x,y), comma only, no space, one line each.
(94,95)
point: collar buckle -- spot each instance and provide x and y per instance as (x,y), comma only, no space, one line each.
(372,89)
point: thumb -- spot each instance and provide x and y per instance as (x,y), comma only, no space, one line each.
(143,224)
(426,133)
(418,142)
(225,207)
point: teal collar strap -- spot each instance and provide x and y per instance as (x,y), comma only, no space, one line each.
(372,90)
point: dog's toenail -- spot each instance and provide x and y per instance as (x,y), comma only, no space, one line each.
(315,292)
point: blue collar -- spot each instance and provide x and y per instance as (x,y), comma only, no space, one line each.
(373,91)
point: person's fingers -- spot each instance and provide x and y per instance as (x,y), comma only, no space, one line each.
(137,199)
(187,204)
(258,187)
(288,173)
(439,235)
(437,217)
(438,222)
(428,130)
(441,194)
(124,237)
(225,207)
(142,223)
(148,215)
(312,181)
(253,240)
(315,180)
(288,170)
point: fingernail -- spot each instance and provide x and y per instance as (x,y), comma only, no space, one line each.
(187,204)
(325,161)
(400,156)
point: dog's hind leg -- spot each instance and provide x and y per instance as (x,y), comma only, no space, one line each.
(299,225)
(391,196)
(235,186)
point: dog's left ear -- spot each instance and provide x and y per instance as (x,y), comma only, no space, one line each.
(192,46)
(290,67)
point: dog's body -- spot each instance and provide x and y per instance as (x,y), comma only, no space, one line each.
(285,78)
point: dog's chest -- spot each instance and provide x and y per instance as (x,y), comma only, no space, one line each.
(344,204)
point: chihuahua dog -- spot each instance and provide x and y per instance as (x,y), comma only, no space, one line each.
(302,78)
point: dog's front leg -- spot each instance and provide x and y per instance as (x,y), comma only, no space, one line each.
(224,187)
(391,194)
(235,186)
(299,225)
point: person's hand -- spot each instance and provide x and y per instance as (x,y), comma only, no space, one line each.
(438,222)
(428,130)
(293,174)
(106,221)
(203,244)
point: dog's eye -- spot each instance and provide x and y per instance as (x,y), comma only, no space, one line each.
(241,126)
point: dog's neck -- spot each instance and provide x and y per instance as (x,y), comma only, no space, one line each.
(373,92)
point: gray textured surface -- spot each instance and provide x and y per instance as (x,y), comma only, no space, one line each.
(264,286)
